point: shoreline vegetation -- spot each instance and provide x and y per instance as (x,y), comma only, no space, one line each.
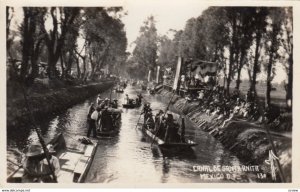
(48,98)
(245,138)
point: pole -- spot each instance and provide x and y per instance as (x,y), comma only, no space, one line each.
(38,131)
(282,177)
(138,121)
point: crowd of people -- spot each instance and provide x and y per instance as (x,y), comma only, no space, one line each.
(99,117)
(215,103)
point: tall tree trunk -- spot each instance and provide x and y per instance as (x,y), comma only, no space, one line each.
(269,85)
(78,67)
(239,70)
(289,91)
(26,45)
(63,75)
(255,66)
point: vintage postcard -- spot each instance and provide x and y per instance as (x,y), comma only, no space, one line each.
(149,93)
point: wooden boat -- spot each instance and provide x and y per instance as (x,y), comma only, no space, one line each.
(132,105)
(114,129)
(74,156)
(110,133)
(174,145)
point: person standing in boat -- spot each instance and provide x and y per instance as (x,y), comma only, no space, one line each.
(145,111)
(140,97)
(99,100)
(31,164)
(93,123)
(45,166)
(150,121)
(127,99)
(90,111)
(170,129)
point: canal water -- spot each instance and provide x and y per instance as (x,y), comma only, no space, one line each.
(129,157)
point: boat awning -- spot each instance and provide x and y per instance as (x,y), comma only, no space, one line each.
(204,67)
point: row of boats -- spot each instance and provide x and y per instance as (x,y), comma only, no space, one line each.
(76,155)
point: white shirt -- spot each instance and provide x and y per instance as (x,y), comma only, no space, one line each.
(94,115)
(55,163)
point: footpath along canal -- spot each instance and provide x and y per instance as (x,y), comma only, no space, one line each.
(129,157)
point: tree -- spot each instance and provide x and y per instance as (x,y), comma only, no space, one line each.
(272,45)
(106,38)
(55,38)
(260,28)
(31,42)
(287,43)
(145,51)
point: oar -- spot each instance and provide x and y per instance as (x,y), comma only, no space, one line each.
(39,134)
(162,118)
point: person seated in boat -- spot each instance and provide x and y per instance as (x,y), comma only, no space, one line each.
(170,129)
(150,124)
(31,164)
(99,99)
(45,168)
(114,104)
(106,120)
(105,103)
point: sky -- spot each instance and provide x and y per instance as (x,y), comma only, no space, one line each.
(168,15)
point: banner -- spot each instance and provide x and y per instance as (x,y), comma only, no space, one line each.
(149,75)
(177,73)
(157,74)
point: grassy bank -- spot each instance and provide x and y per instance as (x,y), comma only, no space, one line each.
(248,140)
(47,100)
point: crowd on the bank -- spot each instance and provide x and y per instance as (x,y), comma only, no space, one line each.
(214,102)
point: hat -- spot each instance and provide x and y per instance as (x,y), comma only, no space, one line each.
(106,99)
(34,150)
(50,148)
(99,95)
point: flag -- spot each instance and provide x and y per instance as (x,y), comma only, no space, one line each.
(177,73)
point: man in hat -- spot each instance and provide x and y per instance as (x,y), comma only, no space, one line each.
(90,111)
(32,165)
(45,168)
(93,123)
(170,128)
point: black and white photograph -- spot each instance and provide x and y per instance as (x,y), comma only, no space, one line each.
(148,92)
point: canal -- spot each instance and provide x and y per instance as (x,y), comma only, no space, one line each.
(129,157)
